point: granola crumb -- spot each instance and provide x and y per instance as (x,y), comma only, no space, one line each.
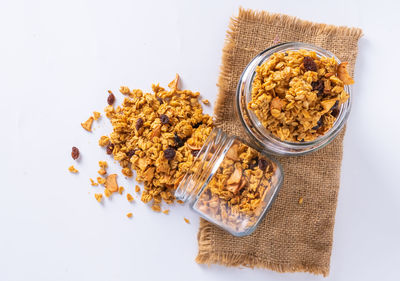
(137,188)
(129,215)
(93,183)
(107,192)
(186,220)
(127,172)
(129,197)
(205,101)
(121,190)
(103,166)
(87,125)
(104,140)
(180,202)
(166,212)
(96,115)
(98,196)
(301,200)
(72,169)
(156,208)
(101,180)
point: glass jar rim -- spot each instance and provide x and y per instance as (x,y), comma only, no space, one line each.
(257,131)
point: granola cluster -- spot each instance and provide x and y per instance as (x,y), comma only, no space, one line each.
(235,195)
(297,95)
(158,135)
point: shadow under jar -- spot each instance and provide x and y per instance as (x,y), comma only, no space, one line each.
(261,136)
(231,184)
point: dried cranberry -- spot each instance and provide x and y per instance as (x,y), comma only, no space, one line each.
(178,141)
(130,153)
(197,124)
(318,86)
(254,163)
(111,99)
(75,153)
(110,148)
(164,119)
(309,64)
(262,164)
(169,153)
(139,123)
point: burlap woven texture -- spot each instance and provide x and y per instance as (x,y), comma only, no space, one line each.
(292,237)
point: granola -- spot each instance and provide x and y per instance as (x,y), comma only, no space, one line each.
(72,169)
(297,95)
(235,194)
(155,134)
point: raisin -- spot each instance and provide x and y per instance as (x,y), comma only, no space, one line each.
(110,148)
(309,64)
(302,140)
(195,152)
(319,124)
(139,123)
(160,100)
(75,153)
(169,153)
(111,99)
(254,163)
(262,164)
(178,141)
(197,125)
(286,54)
(130,153)
(318,86)
(164,119)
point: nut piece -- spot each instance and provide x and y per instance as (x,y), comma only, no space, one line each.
(111,183)
(127,172)
(343,74)
(233,152)
(173,85)
(87,125)
(72,169)
(149,174)
(278,103)
(75,153)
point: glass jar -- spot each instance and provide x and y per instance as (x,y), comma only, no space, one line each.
(253,127)
(230,183)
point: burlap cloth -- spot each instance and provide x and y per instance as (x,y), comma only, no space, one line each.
(293,236)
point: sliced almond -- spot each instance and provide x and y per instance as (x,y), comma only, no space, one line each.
(327,104)
(173,85)
(278,103)
(343,74)
(156,132)
(192,147)
(233,152)
(87,125)
(149,174)
(235,177)
(111,183)
(233,188)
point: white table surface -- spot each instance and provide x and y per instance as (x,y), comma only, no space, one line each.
(58,59)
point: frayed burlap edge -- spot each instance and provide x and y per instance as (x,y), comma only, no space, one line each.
(205,253)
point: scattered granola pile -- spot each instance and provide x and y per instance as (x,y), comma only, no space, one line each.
(157,135)
(297,95)
(235,195)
